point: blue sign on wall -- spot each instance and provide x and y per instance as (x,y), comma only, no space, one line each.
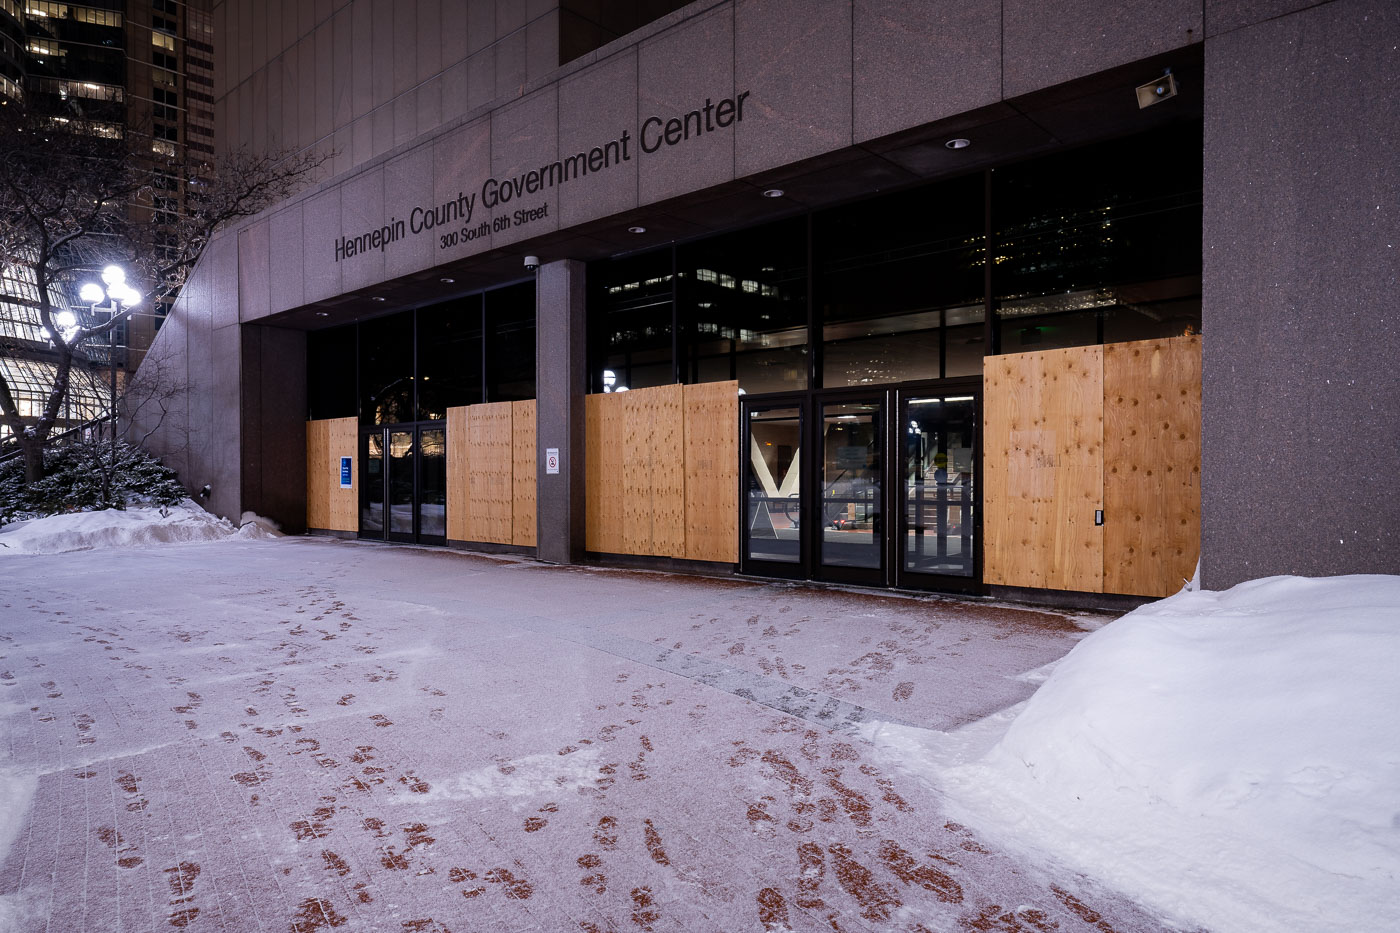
(345,482)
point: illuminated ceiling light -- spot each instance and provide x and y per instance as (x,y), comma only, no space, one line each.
(773,193)
(636,229)
(447,280)
(958,143)
(323,314)
(377,298)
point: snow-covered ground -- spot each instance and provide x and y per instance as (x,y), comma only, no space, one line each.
(139,526)
(1230,758)
(1230,761)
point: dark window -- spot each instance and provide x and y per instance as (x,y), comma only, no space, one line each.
(743,307)
(386,370)
(631,311)
(449,356)
(1099,244)
(510,347)
(330,373)
(892,275)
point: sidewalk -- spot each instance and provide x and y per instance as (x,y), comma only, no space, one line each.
(308,734)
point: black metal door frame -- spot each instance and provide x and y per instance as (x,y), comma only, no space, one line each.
(385,431)
(893,401)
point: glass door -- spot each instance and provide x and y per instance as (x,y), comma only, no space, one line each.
(404,493)
(772,541)
(937,537)
(850,473)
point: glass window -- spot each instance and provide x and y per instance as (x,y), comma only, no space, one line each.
(743,307)
(449,356)
(887,270)
(330,372)
(631,311)
(386,370)
(1099,244)
(510,346)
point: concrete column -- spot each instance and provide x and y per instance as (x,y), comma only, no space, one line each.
(561,381)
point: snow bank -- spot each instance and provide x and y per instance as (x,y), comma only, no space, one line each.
(143,526)
(1231,758)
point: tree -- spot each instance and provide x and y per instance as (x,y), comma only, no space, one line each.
(73,201)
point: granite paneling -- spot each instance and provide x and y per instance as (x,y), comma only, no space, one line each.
(405,33)
(254,273)
(224,50)
(916,62)
(481,78)
(405,116)
(429,98)
(481,25)
(320,226)
(281,85)
(381,63)
(360,66)
(408,184)
(323,112)
(255,92)
(560,384)
(306,92)
(243,66)
(1302,234)
(1045,44)
(542,46)
(461,162)
(221,255)
(512,64)
(343,54)
(597,105)
(794,59)
(454,91)
(677,70)
(381,122)
(214,424)
(1225,15)
(453,32)
(361,212)
(288,283)
(427,44)
(524,138)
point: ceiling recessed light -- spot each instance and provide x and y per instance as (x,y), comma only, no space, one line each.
(323,314)
(958,143)
(377,298)
(773,193)
(447,280)
(636,229)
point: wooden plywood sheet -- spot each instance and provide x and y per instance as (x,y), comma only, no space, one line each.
(668,473)
(343,440)
(318,498)
(458,475)
(604,442)
(523,471)
(1042,469)
(490,510)
(1152,464)
(639,415)
(711,465)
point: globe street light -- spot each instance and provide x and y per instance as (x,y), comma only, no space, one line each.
(119,295)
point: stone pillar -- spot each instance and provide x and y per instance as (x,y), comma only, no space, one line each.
(561,381)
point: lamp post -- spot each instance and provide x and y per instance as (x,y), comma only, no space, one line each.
(115,291)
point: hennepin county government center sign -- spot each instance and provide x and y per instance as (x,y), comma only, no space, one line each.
(452,220)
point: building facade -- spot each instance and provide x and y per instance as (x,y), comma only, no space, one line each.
(990,297)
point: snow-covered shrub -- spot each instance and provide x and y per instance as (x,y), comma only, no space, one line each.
(87,475)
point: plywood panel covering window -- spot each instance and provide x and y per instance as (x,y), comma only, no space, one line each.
(522,426)
(328,506)
(1070,432)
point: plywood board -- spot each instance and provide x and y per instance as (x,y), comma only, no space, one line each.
(639,412)
(711,465)
(490,510)
(1042,469)
(668,471)
(1152,464)
(605,440)
(523,473)
(343,440)
(318,496)
(458,475)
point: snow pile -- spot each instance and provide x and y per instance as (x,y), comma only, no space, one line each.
(253,525)
(136,527)
(1230,758)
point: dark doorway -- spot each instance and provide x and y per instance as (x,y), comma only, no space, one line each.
(403,496)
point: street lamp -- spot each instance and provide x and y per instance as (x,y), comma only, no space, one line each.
(119,295)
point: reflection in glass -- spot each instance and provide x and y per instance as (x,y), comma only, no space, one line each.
(893,274)
(775,485)
(938,485)
(432,481)
(372,486)
(743,307)
(449,356)
(1090,248)
(510,324)
(400,465)
(386,370)
(630,310)
(851,477)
